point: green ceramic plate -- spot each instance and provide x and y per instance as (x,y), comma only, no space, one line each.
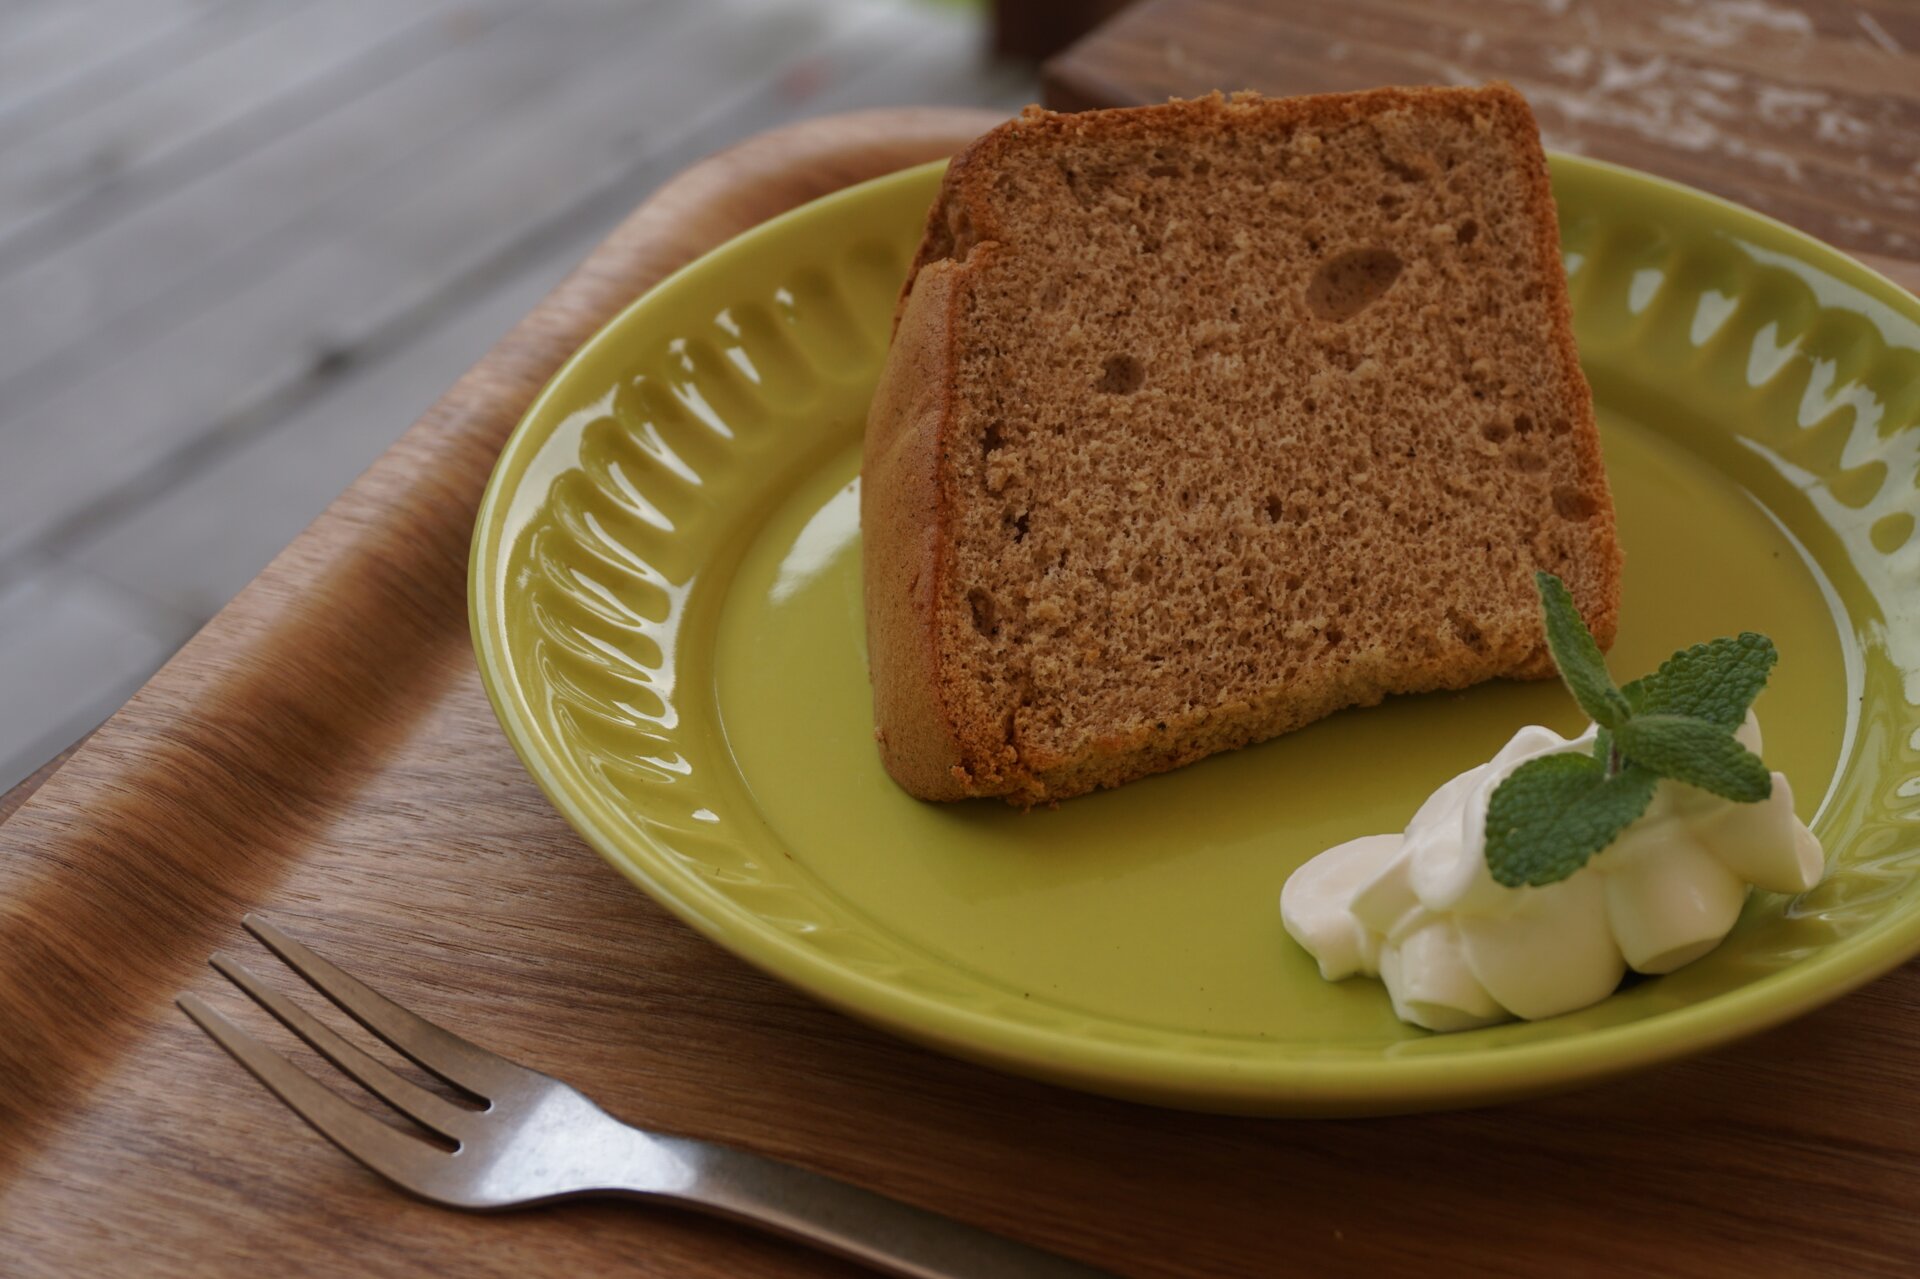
(666,604)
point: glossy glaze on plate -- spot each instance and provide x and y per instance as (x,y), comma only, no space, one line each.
(667,610)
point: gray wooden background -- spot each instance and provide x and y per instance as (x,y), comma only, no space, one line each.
(243,243)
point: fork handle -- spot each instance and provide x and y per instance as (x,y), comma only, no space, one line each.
(874,1230)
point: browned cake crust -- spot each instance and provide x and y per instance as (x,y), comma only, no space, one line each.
(1203,421)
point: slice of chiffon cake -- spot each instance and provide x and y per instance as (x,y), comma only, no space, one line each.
(1206,420)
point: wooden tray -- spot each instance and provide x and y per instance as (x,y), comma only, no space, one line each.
(322,752)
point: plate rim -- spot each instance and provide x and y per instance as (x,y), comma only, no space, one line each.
(1275,1085)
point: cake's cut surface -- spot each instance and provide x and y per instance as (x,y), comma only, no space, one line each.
(1203,421)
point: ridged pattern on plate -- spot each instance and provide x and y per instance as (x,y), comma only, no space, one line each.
(631,502)
(649,489)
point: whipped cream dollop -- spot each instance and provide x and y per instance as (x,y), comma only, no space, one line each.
(1457,949)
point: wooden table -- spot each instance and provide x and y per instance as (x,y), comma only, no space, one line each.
(323,751)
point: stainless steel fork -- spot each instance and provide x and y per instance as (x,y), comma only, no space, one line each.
(534,1139)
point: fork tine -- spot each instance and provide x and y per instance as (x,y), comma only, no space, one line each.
(405,1160)
(460,1063)
(405,1096)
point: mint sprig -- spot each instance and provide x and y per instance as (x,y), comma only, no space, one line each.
(1552,814)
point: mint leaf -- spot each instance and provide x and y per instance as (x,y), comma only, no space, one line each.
(1553,813)
(1697,752)
(1716,681)
(1577,656)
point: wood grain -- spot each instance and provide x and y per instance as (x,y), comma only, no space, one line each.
(323,752)
(1807,110)
(382,194)
(17,795)
(53,55)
